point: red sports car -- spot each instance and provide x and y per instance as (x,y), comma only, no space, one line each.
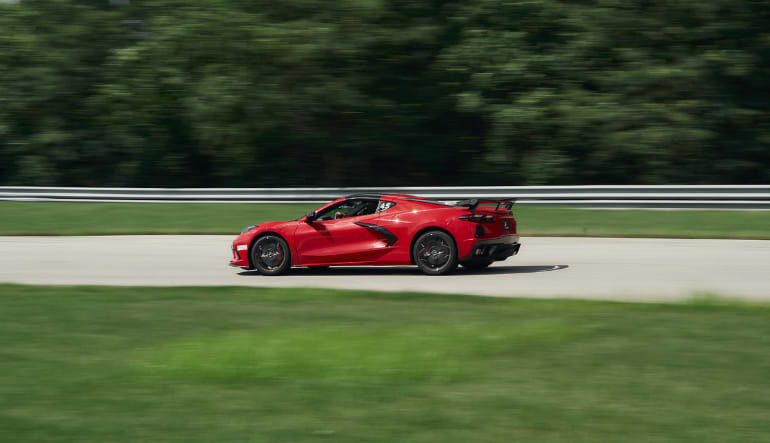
(389,229)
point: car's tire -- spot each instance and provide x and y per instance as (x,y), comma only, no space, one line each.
(270,255)
(475,265)
(435,252)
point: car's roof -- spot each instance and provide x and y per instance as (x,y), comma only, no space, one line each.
(408,197)
(372,196)
(415,199)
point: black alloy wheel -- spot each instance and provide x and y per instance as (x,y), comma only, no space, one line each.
(435,253)
(270,255)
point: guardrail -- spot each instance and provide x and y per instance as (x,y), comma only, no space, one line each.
(600,196)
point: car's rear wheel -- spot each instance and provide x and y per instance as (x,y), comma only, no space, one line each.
(435,253)
(474,265)
(270,255)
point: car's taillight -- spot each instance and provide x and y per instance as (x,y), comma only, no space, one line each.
(478,218)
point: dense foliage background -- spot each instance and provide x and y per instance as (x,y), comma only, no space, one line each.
(384,92)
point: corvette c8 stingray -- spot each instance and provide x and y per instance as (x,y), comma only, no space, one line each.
(387,229)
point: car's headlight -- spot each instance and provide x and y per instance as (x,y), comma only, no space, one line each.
(249,228)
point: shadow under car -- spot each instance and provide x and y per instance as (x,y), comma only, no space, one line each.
(408,270)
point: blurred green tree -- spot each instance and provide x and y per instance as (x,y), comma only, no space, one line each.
(384,92)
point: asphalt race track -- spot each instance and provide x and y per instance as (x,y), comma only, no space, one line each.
(605,268)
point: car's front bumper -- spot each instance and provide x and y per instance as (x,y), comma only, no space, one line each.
(496,249)
(240,256)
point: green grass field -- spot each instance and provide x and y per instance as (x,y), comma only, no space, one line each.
(298,365)
(29,218)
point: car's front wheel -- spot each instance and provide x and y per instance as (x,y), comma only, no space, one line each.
(435,253)
(270,255)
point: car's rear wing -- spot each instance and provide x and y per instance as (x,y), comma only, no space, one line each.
(474,203)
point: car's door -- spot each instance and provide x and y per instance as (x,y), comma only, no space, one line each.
(344,240)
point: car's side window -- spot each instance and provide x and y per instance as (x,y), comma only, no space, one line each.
(366,207)
(349,208)
(329,213)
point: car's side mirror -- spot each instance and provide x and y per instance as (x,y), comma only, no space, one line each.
(310,216)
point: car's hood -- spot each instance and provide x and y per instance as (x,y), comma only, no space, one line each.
(275,225)
(281,227)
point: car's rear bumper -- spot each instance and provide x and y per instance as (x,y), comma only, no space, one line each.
(498,248)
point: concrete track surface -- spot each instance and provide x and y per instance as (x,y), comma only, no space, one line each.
(603,268)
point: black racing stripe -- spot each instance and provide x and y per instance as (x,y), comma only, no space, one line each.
(392,239)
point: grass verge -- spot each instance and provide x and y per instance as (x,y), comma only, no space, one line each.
(94,364)
(31,218)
